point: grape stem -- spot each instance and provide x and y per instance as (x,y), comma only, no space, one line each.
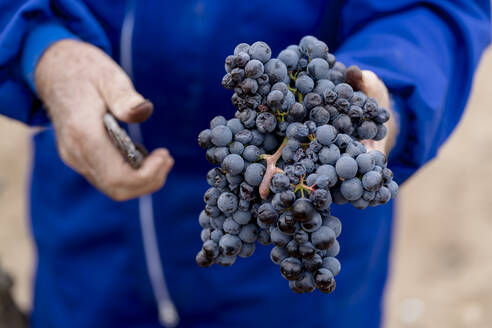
(303,187)
(271,169)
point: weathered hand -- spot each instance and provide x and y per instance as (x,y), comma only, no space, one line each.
(78,83)
(372,86)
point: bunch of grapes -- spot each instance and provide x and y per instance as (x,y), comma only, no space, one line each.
(292,149)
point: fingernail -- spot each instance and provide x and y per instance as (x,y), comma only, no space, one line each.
(142,111)
(354,77)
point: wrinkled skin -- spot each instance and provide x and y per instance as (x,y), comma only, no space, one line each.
(78,83)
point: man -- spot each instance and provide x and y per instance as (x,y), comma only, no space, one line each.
(101,261)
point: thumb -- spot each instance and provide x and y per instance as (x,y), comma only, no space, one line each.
(120,96)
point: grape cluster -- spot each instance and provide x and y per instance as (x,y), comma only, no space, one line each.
(292,149)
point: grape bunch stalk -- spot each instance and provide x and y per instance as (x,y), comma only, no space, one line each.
(292,149)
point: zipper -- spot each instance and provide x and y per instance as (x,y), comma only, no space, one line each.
(168,314)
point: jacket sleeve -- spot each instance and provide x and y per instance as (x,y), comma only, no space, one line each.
(426,52)
(27,29)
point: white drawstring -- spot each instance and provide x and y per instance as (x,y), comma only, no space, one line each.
(168,315)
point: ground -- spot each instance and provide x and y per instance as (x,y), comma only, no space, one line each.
(442,250)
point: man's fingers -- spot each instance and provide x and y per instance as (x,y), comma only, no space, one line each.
(153,173)
(120,96)
(115,177)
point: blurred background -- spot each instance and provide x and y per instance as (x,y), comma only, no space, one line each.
(442,244)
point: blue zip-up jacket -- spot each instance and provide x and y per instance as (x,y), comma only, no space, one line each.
(91,269)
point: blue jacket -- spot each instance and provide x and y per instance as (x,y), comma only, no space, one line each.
(92,268)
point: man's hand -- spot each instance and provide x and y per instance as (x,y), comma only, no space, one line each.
(372,86)
(78,83)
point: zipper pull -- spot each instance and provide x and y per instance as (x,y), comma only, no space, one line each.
(168,315)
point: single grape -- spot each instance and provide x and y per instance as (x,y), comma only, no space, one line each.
(205,234)
(303,210)
(247,249)
(307,250)
(291,268)
(360,203)
(260,51)
(221,135)
(351,189)
(202,260)
(242,217)
(278,254)
(275,99)
(319,115)
(372,180)
(346,167)
(242,47)
(233,164)
(267,214)
(230,226)
(312,100)
(277,71)
(290,58)
(367,130)
(383,195)
(212,211)
(358,99)
(318,68)
(210,249)
(216,235)
(264,238)
(249,85)
(204,220)
(306,43)
(313,224)
(326,134)
(205,139)
(324,280)
(279,238)
(296,112)
(254,174)
(230,245)
(258,137)
(317,49)
(217,222)
(322,85)
(235,125)
(313,263)
(236,148)
(343,123)
(334,224)
(280,182)
(344,91)
(266,122)
(242,59)
(379,157)
(227,203)
(225,260)
(334,249)
(329,154)
(304,84)
(393,188)
(365,162)
(217,121)
(270,142)
(254,69)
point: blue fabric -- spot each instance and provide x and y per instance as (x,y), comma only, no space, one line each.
(91,270)
(38,40)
